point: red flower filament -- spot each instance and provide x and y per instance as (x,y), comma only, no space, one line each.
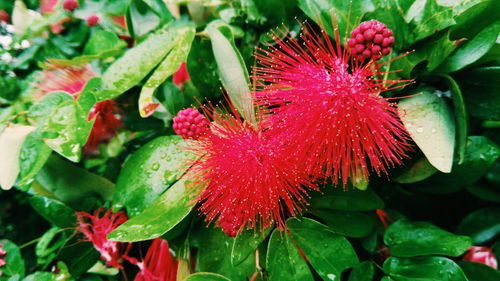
(159,264)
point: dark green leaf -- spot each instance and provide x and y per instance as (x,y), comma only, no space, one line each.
(14,263)
(70,184)
(79,256)
(203,68)
(409,239)
(348,223)
(159,217)
(472,50)
(206,276)
(320,244)
(423,268)
(419,171)
(283,260)
(349,200)
(54,211)
(482,225)
(363,272)
(246,242)
(485,192)
(148,172)
(478,272)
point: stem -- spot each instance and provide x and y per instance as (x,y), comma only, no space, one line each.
(30,242)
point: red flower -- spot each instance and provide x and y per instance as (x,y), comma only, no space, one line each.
(482,255)
(4,16)
(181,76)
(159,264)
(371,39)
(72,79)
(106,125)
(70,5)
(48,6)
(248,176)
(2,257)
(92,20)
(329,110)
(96,228)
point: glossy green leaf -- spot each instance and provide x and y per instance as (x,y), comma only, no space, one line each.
(365,271)
(419,171)
(169,66)
(67,129)
(87,98)
(328,12)
(482,225)
(54,211)
(485,192)
(41,110)
(78,256)
(214,255)
(76,187)
(232,69)
(480,155)
(206,276)
(428,268)
(11,141)
(246,242)
(430,123)
(471,50)
(141,18)
(33,155)
(103,41)
(480,89)
(49,244)
(283,260)
(148,172)
(478,272)
(409,239)
(14,263)
(136,63)
(40,276)
(159,217)
(348,223)
(320,244)
(350,199)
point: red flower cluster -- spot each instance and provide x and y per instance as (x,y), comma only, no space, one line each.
(159,264)
(70,5)
(372,39)
(482,255)
(190,124)
(96,227)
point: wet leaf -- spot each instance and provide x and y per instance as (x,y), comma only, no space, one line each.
(478,272)
(349,200)
(427,268)
(206,276)
(246,242)
(482,225)
(419,171)
(348,223)
(14,263)
(54,211)
(363,272)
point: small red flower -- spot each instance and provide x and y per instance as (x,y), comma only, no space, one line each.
(328,109)
(4,16)
(181,76)
(190,124)
(70,5)
(371,39)
(247,176)
(48,6)
(96,227)
(2,257)
(482,255)
(105,127)
(159,264)
(92,20)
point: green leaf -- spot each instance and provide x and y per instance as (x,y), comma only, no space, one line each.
(246,242)
(349,200)
(79,256)
(141,18)
(430,123)
(43,109)
(214,255)
(103,41)
(66,130)
(408,239)
(482,225)
(158,218)
(419,171)
(53,211)
(61,180)
(283,260)
(49,245)
(365,271)
(33,155)
(480,155)
(485,192)
(478,272)
(136,63)
(11,141)
(348,223)
(320,244)
(206,276)
(326,12)
(149,172)
(472,50)
(40,276)
(14,263)
(423,268)
(169,66)
(232,69)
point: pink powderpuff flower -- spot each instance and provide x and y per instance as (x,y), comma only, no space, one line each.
(190,123)
(72,79)
(96,227)
(247,176)
(482,255)
(159,264)
(2,257)
(329,107)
